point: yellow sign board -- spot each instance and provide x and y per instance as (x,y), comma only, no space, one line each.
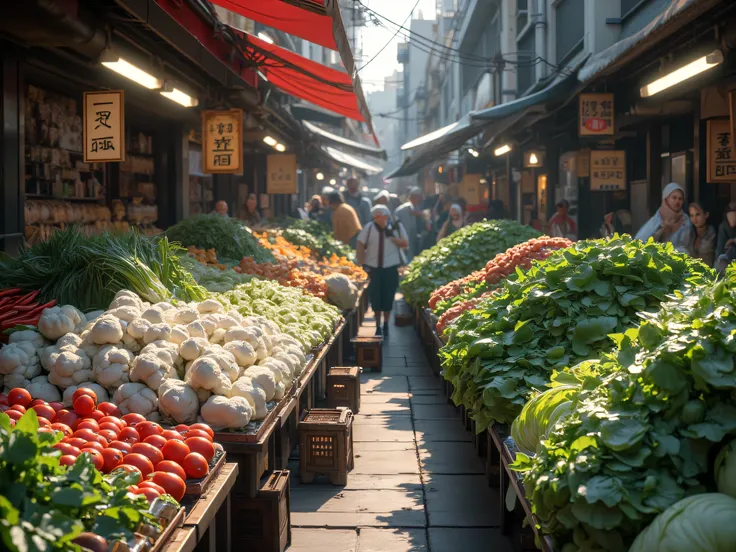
(596,115)
(607,170)
(583,165)
(471,189)
(104,126)
(721,156)
(281,174)
(222,142)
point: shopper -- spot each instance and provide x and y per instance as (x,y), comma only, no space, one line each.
(382,198)
(315,208)
(454,222)
(703,236)
(617,222)
(221,209)
(380,245)
(726,231)
(345,222)
(326,216)
(358,201)
(414,220)
(562,225)
(669,224)
(249,211)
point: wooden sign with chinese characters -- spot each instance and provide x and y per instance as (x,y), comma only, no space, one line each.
(222,141)
(720,152)
(607,170)
(104,126)
(596,115)
(281,174)
(583,163)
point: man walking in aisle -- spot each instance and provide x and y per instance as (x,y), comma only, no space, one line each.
(414,220)
(360,203)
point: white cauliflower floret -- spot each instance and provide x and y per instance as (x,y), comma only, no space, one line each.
(218,336)
(254,394)
(137,328)
(69,367)
(106,329)
(32,336)
(243,352)
(235,315)
(290,360)
(57,321)
(157,332)
(151,369)
(210,305)
(179,334)
(126,297)
(178,401)
(70,341)
(263,377)
(208,323)
(19,363)
(125,312)
(136,397)
(224,413)
(154,315)
(131,343)
(205,373)
(191,348)
(280,391)
(203,395)
(185,315)
(111,366)
(91,316)
(101,392)
(197,329)
(40,388)
(280,369)
(264,324)
(253,336)
(225,359)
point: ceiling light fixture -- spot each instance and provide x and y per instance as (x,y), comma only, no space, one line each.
(270,141)
(683,73)
(320,176)
(265,38)
(130,71)
(182,98)
(333,181)
(533,160)
(280,147)
(502,150)
(472,152)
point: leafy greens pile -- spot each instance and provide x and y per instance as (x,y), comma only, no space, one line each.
(644,438)
(227,236)
(212,278)
(87,271)
(459,254)
(556,314)
(317,237)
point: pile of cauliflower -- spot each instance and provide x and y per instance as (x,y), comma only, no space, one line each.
(178,363)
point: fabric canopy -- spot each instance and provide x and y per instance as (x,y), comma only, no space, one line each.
(339,140)
(342,158)
(304,111)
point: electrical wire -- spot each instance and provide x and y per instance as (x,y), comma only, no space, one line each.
(391,40)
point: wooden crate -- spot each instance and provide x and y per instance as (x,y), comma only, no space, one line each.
(326,445)
(343,387)
(263,523)
(369,352)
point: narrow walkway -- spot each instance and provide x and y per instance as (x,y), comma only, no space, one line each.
(418,484)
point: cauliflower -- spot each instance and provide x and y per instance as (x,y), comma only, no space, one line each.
(157,332)
(19,363)
(125,312)
(254,337)
(111,366)
(131,344)
(154,315)
(268,326)
(136,397)
(263,377)
(243,352)
(106,329)
(254,394)
(197,329)
(225,359)
(209,305)
(137,328)
(165,350)
(151,369)
(31,336)
(218,336)
(91,316)
(40,388)
(341,292)
(179,334)
(280,391)
(185,315)
(205,373)
(208,324)
(192,347)
(178,401)
(101,392)
(71,340)
(57,321)
(280,370)
(69,366)
(224,413)
(125,297)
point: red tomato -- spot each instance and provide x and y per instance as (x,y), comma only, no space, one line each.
(86,434)
(203,427)
(108,434)
(56,405)
(146,429)
(112,457)
(44,424)
(67,449)
(175,450)
(109,409)
(199,433)
(67,417)
(201,446)
(148,492)
(84,404)
(13,414)
(173,484)
(45,411)
(65,429)
(67,460)
(181,427)
(129,469)
(195,466)
(152,485)
(36,402)
(171,467)
(157,441)
(96,415)
(149,451)
(18,408)
(112,427)
(89,423)
(102,440)
(82,392)
(19,396)
(170,434)
(93,445)
(96,457)
(45,429)
(139,461)
(129,435)
(75,442)
(113,420)
(133,419)
(120,445)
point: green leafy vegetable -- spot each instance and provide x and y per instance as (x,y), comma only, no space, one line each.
(724,470)
(212,278)
(317,237)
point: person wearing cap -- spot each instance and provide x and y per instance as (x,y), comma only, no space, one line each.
(454,221)
(414,220)
(726,231)
(382,198)
(562,225)
(345,222)
(379,251)
(358,201)
(670,223)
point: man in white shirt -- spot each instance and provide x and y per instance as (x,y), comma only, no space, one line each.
(412,217)
(380,245)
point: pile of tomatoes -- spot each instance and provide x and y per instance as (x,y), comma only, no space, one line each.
(165,458)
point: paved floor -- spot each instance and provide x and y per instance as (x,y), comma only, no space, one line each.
(418,484)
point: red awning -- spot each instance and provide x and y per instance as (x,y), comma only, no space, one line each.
(307,19)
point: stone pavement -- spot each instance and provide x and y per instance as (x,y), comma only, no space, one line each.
(418,484)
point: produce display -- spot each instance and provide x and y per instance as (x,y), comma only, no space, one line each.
(18,308)
(226,235)
(633,465)
(211,278)
(317,237)
(208,257)
(87,271)
(286,273)
(556,314)
(456,256)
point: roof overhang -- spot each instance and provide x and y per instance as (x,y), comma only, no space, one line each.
(351,162)
(334,139)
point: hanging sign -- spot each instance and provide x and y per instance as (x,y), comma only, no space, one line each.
(720,152)
(222,141)
(607,170)
(583,165)
(595,115)
(281,174)
(104,126)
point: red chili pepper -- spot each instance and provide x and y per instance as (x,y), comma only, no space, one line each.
(28,298)
(10,291)
(20,321)
(26,308)
(8,315)
(48,305)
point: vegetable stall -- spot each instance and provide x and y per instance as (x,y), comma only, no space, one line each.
(173,366)
(598,380)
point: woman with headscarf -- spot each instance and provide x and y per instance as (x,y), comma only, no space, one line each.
(454,222)
(315,207)
(703,235)
(670,224)
(249,211)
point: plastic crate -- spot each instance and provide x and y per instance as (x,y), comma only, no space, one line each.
(263,523)
(326,445)
(343,387)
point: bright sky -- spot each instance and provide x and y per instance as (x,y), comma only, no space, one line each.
(374,38)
